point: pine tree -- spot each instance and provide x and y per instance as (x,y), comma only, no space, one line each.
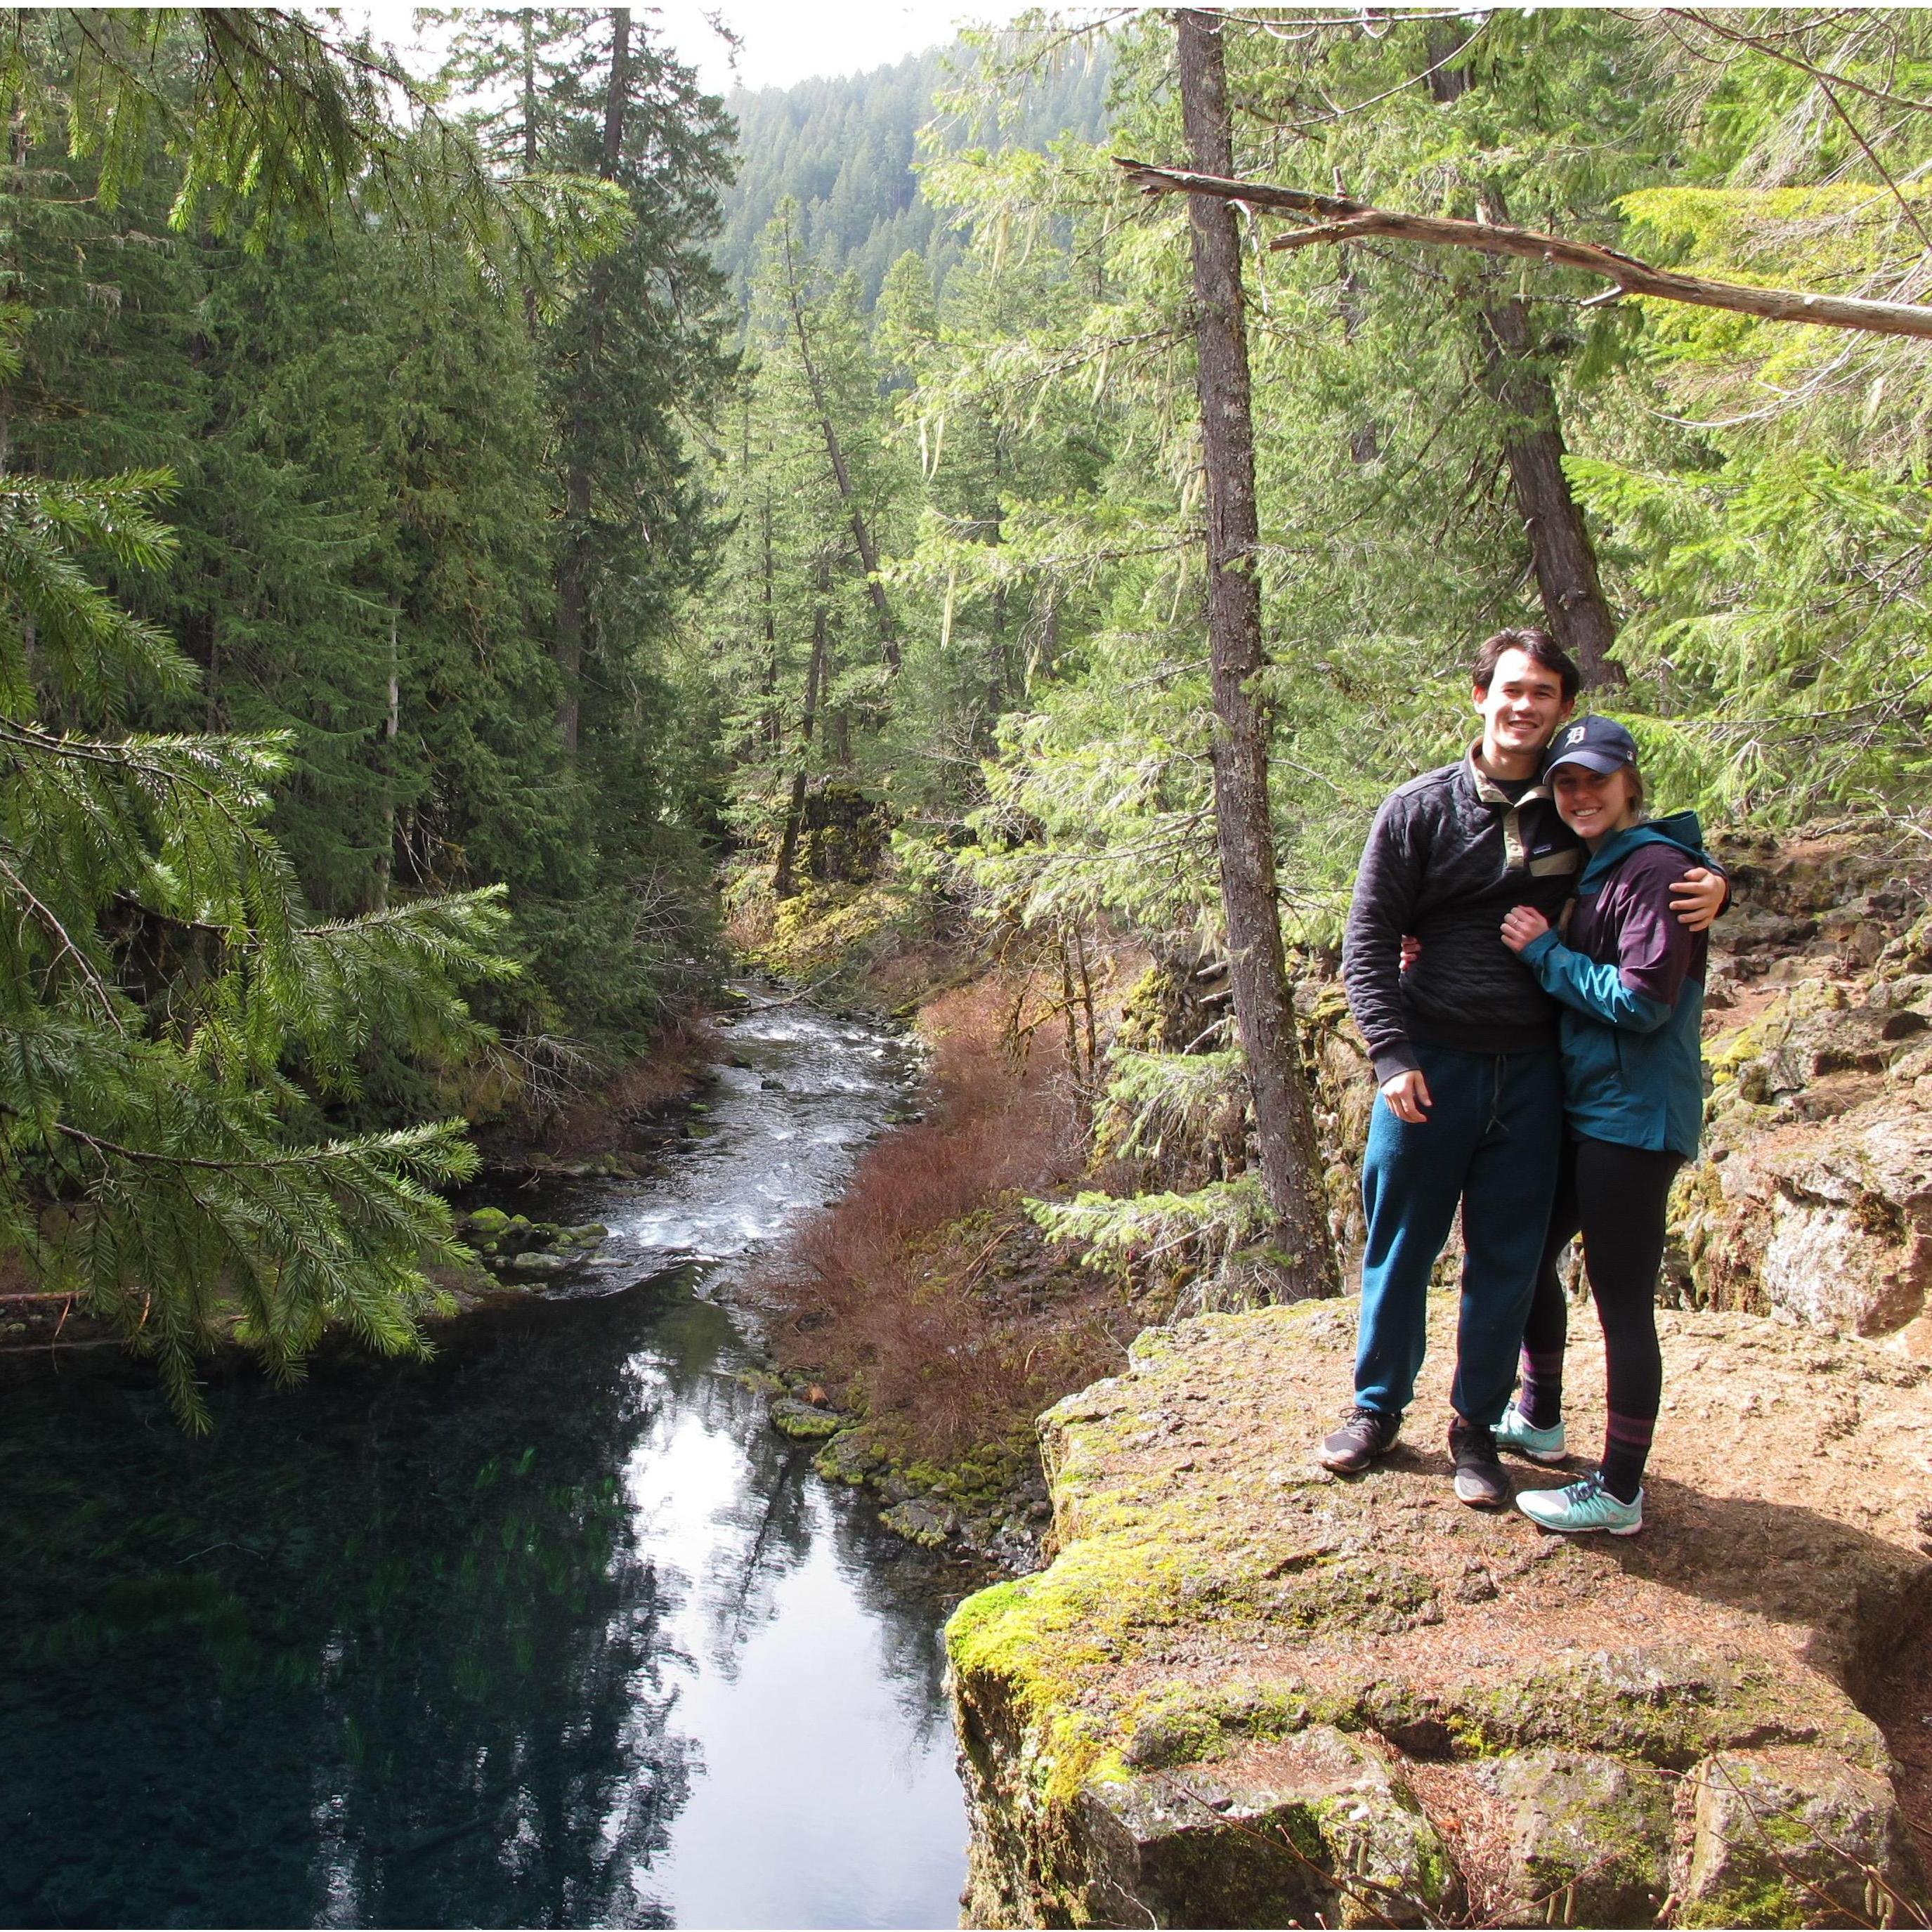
(172,1020)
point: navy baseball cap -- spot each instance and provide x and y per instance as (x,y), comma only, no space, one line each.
(1597,744)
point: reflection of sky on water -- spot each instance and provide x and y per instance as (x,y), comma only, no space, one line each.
(553,1630)
(816,1749)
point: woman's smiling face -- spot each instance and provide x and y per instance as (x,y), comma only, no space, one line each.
(1594,804)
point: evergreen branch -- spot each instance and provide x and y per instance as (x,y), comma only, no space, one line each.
(1762,44)
(1345,219)
(402,1143)
(67,949)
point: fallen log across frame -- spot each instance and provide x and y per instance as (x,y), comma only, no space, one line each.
(1342,219)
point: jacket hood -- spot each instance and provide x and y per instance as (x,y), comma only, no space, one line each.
(1681,829)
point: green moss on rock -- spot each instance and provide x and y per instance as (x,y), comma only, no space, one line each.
(804,1420)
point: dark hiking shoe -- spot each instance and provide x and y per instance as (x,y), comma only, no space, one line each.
(1480,1481)
(1365,1434)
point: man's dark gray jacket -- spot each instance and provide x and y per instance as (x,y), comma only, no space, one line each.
(1449,853)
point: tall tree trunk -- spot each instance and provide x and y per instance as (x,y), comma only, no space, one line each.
(1560,549)
(617,94)
(17,148)
(527,19)
(573,588)
(392,722)
(1264,1010)
(842,475)
(782,885)
(1000,679)
(773,731)
(1561,552)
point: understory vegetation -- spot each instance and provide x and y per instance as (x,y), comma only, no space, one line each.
(925,1300)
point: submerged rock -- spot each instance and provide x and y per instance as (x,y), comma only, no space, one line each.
(1235,1695)
(847,1458)
(513,1245)
(539,1261)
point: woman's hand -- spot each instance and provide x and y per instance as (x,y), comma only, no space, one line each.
(1698,898)
(1411,951)
(1521,924)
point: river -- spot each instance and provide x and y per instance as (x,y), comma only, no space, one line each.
(552,1630)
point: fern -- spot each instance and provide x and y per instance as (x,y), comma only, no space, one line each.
(1208,1227)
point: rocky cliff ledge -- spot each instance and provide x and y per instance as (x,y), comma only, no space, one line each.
(1248,1694)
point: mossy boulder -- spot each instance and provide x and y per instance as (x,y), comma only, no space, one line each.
(805,1421)
(1794,1836)
(930,1525)
(848,1457)
(534,1262)
(1141,1723)
(1314,1830)
(1589,1836)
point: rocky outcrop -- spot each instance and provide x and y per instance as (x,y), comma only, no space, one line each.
(1246,1694)
(1815,1200)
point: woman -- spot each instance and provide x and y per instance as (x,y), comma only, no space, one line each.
(1630,981)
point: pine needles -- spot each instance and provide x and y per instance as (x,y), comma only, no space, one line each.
(172,1022)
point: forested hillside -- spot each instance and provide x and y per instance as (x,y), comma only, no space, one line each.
(351,519)
(845,150)
(417,609)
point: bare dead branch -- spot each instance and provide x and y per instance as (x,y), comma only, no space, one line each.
(1344,220)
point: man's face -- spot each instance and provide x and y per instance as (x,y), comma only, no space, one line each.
(1523,706)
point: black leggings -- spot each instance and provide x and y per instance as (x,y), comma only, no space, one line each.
(1615,1197)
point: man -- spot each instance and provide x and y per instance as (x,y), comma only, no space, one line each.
(1465,1049)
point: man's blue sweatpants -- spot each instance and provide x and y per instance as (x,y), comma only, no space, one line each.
(1490,1141)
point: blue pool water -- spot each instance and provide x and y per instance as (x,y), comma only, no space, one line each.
(552,1630)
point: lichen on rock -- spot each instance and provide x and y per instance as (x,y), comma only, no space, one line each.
(1792,1837)
(1589,1833)
(804,1420)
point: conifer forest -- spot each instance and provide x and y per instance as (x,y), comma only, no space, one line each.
(518,572)
(470,534)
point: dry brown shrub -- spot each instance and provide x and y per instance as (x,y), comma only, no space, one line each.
(925,1296)
(680,1060)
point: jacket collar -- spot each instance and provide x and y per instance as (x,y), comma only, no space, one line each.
(1485,788)
(1681,829)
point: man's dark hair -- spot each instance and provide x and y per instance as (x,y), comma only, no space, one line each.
(1534,642)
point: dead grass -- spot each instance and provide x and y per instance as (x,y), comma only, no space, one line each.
(925,1299)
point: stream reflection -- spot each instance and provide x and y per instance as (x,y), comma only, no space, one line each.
(551,1630)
